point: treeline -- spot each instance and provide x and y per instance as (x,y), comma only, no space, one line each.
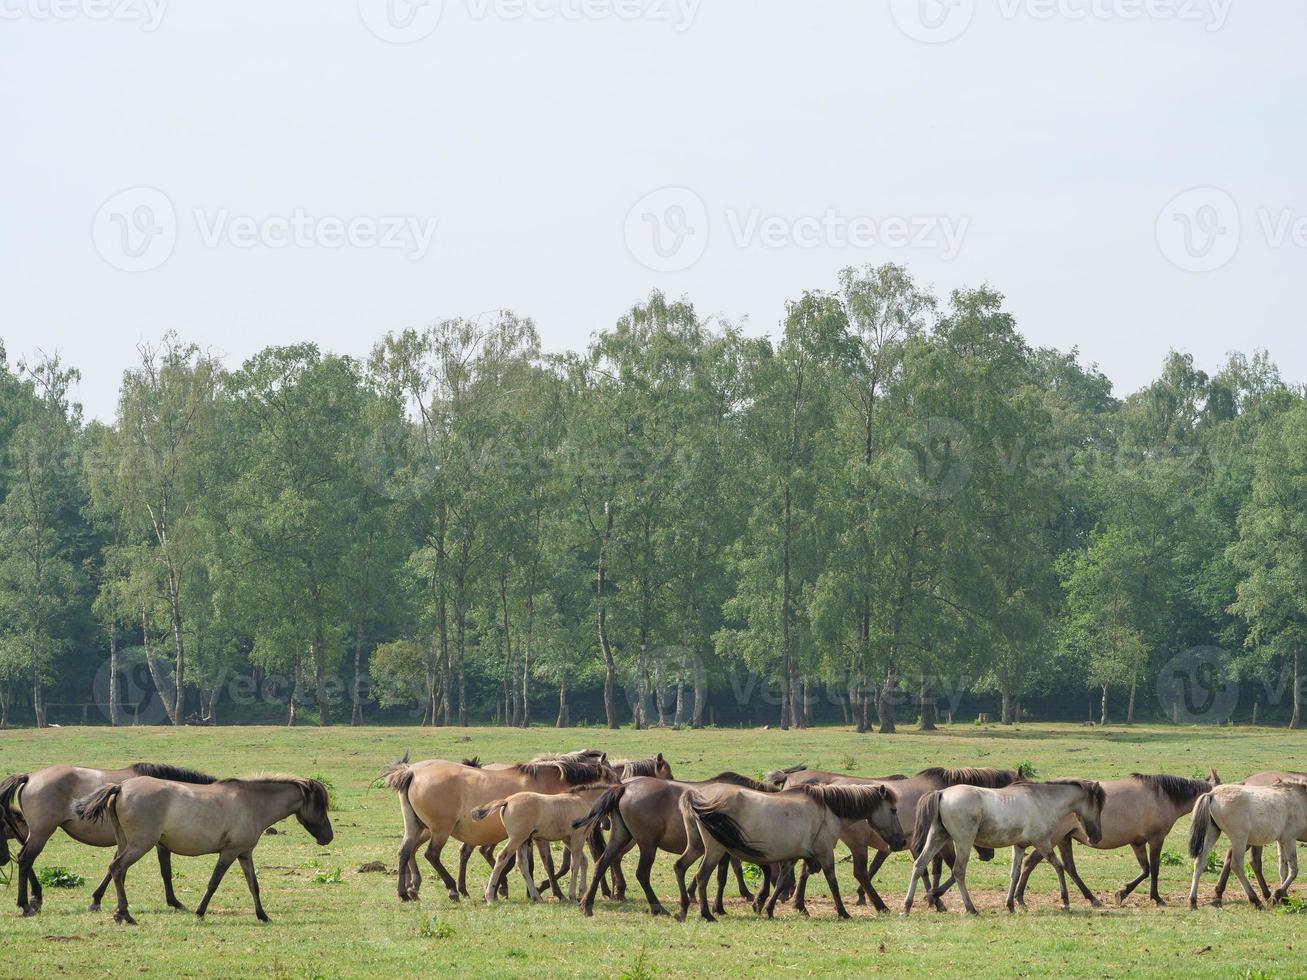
(896,503)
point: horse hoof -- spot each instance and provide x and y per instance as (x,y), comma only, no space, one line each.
(1159,901)
(1194,905)
(453,895)
(94,907)
(263,918)
(658,910)
(1011,907)
(30,913)
(123,919)
(803,911)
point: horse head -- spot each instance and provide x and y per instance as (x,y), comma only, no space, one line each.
(312,812)
(1090,811)
(884,818)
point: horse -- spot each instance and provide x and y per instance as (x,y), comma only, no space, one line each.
(35,805)
(861,840)
(770,828)
(1257,815)
(1021,815)
(1139,811)
(644,812)
(226,818)
(540,817)
(436,800)
(1258,779)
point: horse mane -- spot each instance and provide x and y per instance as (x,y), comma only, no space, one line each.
(735,779)
(580,755)
(473,763)
(1091,786)
(313,790)
(721,825)
(638,767)
(572,772)
(848,802)
(971,776)
(175,774)
(1178,789)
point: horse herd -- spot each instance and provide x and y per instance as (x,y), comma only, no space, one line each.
(787,824)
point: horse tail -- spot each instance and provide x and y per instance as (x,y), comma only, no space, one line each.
(1201,826)
(722,826)
(481,812)
(605,805)
(927,814)
(8,789)
(98,807)
(398,775)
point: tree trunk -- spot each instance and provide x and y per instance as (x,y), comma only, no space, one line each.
(1102,719)
(700,695)
(292,709)
(601,575)
(156,674)
(561,720)
(38,705)
(1130,705)
(1006,710)
(858,686)
(4,705)
(788,709)
(526,661)
(356,712)
(113,674)
(1296,720)
(320,677)
(888,695)
(927,706)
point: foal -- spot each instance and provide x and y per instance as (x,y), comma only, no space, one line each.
(226,818)
(1257,815)
(1021,815)
(540,817)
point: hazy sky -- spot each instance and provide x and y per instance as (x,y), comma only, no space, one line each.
(1128,172)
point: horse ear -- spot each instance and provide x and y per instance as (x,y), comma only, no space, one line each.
(660,757)
(1215,779)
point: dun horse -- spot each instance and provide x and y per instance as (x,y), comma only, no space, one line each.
(769,828)
(35,805)
(1259,779)
(644,813)
(226,818)
(540,817)
(860,839)
(437,799)
(1139,811)
(1021,815)
(1258,815)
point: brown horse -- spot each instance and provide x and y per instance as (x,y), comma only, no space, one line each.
(226,818)
(35,805)
(859,837)
(1139,811)
(437,799)
(769,828)
(1269,778)
(644,812)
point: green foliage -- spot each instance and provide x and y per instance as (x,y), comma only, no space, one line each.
(56,876)
(325,876)
(434,928)
(1170,859)
(1028,770)
(640,969)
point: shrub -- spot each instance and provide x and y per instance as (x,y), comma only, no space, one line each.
(59,877)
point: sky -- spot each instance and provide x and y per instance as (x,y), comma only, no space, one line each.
(1127,172)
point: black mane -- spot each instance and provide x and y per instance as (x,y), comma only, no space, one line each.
(640,767)
(990,778)
(735,779)
(573,773)
(848,802)
(174,773)
(1177,789)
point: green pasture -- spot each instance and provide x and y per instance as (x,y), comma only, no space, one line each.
(331,920)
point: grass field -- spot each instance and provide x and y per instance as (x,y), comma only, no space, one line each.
(356,926)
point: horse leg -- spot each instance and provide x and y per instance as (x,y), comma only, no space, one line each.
(1050,855)
(1288,869)
(784,885)
(962,853)
(1257,871)
(760,899)
(828,867)
(1069,862)
(1141,855)
(648,852)
(693,849)
(165,870)
(713,853)
(1237,847)
(1200,862)
(502,865)
(410,878)
(617,841)
(935,892)
(738,867)
(215,879)
(801,893)
(98,896)
(434,848)
(252,880)
(865,888)
(1018,854)
(464,855)
(1032,860)
(1155,870)
(723,870)
(27,856)
(563,868)
(523,850)
(935,840)
(123,860)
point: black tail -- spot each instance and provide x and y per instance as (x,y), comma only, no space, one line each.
(8,789)
(603,806)
(97,807)
(722,827)
(1201,824)
(927,813)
